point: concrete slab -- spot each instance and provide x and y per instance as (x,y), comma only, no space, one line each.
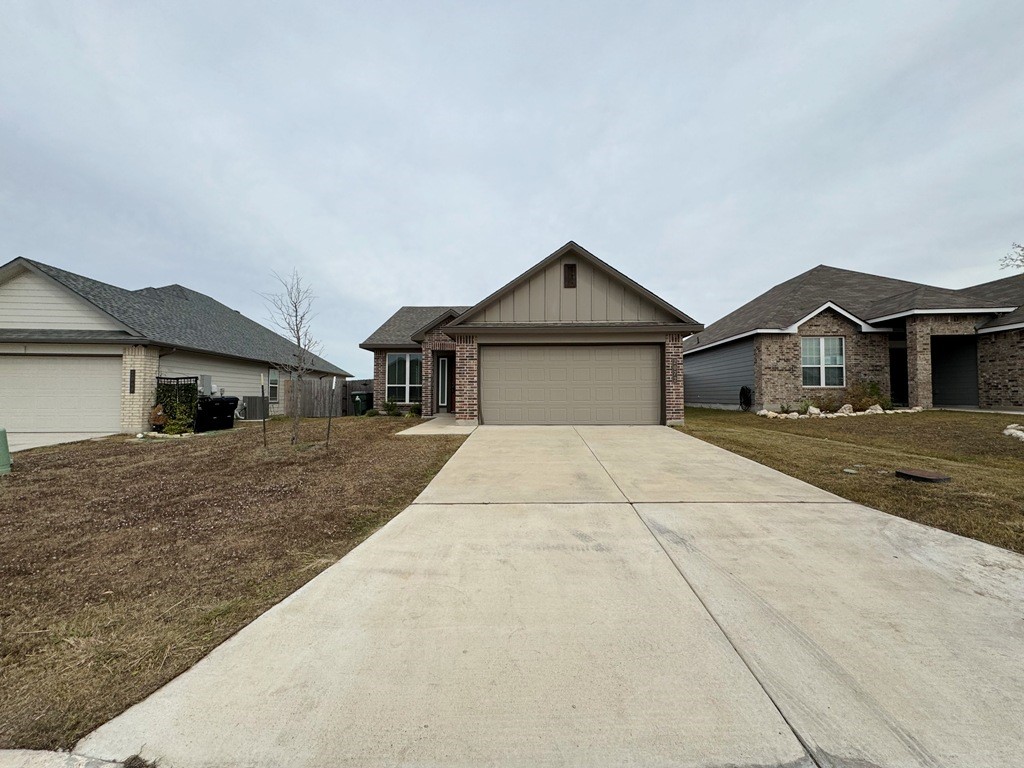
(23,441)
(884,642)
(468,635)
(444,424)
(32,758)
(661,464)
(510,465)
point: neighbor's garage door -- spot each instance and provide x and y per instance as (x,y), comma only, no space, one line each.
(55,393)
(611,384)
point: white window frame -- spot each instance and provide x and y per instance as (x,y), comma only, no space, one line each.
(273,384)
(408,383)
(821,366)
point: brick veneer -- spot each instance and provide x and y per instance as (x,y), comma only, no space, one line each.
(433,342)
(674,402)
(467,355)
(380,372)
(777,370)
(920,329)
(1001,369)
(135,407)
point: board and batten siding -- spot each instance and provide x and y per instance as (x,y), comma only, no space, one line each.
(238,378)
(715,377)
(598,297)
(29,300)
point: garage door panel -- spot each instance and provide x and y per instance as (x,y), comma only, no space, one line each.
(60,393)
(609,384)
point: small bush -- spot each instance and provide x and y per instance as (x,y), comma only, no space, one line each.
(416,410)
(863,394)
(372,412)
(829,402)
(390,408)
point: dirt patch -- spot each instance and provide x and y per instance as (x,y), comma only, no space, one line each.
(984,500)
(123,562)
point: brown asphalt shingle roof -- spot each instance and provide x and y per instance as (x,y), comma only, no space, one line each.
(398,329)
(861,294)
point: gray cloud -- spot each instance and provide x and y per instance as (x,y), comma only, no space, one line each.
(402,153)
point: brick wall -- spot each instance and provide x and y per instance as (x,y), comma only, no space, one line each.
(433,342)
(920,329)
(777,370)
(135,407)
(380,373)
(1001,369)
(674,404)
(466,379)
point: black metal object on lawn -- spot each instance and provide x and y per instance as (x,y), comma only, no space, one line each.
(922,475)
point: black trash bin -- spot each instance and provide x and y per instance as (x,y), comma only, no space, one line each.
(215,413)
(361,402)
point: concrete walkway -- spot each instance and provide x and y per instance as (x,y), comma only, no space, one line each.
(609,596)
(23,441)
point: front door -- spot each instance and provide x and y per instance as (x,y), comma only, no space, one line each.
(445,385)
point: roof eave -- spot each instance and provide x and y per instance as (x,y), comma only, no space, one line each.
(945,311)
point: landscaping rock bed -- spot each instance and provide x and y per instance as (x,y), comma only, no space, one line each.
(844,411)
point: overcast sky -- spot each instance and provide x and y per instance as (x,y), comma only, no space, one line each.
(427,153)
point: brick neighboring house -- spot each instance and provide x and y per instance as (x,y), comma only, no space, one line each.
(79,355)
(570,341)
(829,328)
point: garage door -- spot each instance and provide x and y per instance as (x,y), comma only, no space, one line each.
(60,394)
(611,384)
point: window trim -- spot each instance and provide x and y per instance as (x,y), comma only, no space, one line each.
(408,385)
(273,385)
(821,366)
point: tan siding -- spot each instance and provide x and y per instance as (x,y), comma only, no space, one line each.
(521,304)
(29,300)
(507,315)
(630,305)
(237,377)
(552,292)
(599,297)
(614,301)
(584,290)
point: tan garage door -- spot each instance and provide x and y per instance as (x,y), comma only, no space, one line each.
(55,393)
(609,384)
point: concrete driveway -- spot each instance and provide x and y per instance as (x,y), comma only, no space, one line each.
(23,441)
(616,596)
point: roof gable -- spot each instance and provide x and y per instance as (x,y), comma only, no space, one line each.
(602,296)
(175,316)
(31,299)
(399,329)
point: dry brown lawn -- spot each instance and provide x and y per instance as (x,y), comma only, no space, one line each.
(984,500)
(124,562)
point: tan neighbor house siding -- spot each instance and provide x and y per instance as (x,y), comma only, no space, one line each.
(238,378)
(29,300)
(777,370)
(597,297)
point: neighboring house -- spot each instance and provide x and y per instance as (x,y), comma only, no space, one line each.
(570,341)
(78,355)
(829,328)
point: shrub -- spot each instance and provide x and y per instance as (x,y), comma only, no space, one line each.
(829,402)
(372,412)
(390,408)
(863,394)
(416,410)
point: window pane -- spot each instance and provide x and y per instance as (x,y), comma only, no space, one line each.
(415,394)
(810,351)
(396,394)
(812,377)
(833,377)
(416,369)
(834,350)
(396,369)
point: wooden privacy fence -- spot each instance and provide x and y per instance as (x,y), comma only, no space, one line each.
(316,396)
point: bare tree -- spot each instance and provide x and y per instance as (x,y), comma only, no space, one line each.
(1015,258)
(291,310)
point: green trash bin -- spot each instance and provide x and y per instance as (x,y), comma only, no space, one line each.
(361,402)
(5,453)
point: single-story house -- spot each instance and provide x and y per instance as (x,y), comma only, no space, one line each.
(79,355)
(570,341)
(829,328)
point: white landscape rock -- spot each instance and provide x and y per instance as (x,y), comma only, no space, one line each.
(763,412)
(1015,431)
(876,408)
(813,411)
(846,410)
(793,415)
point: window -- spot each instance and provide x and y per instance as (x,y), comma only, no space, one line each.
(405,377)
(274,381)
(823,361)
(569,275)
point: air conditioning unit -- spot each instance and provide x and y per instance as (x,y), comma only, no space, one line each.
(255,407)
